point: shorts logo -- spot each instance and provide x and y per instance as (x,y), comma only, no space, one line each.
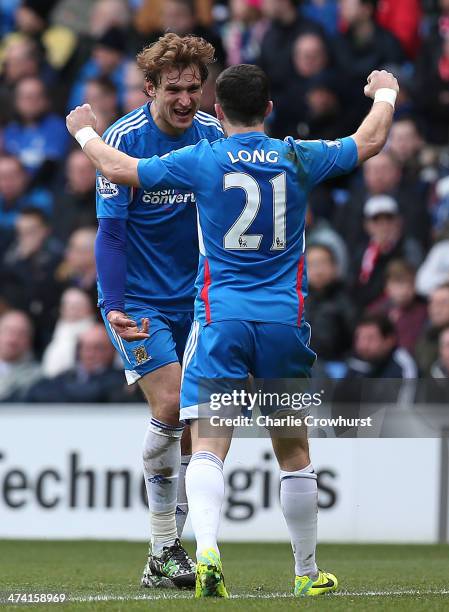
(141,355)
(105,188)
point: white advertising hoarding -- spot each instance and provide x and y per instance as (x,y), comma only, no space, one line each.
(75,472)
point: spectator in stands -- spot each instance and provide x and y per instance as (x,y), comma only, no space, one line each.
(244,32)
(313,85)
(107,14)
(285,25)
(18,369)
(405,143)
(324,12)
(439,204)
(27,272)
(329,309)
(432,91)
(376,357)
(382,175)
(440,369)
(33,19)
(434,270)
(363,47)
(101,94)
(435,389)
(148,17)
(386,242)
(324,117)
(180,16)
(134,93)
(108,59)
(319,231)
(37,137)
(435,34)
(78,267)
(76,316)
(403,19)
(427,346)
(7,22)
(15,193)
(93,379)
(403,307)
(74,204)
(22,58)
(376,353)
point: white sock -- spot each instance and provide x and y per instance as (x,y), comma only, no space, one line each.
(299,502)
(205,492)
(161,462)
(182,507)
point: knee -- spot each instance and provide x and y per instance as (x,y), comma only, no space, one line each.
(166,409)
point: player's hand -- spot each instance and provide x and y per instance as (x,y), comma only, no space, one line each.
(81,116)
(379,79)
(126,328)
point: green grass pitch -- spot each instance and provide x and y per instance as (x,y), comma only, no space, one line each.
(258,576)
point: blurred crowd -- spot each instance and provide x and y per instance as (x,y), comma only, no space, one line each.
(378,240)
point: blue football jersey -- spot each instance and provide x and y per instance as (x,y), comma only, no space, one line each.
(162,237)
(251,193)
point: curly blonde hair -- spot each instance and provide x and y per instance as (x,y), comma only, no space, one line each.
(172,50)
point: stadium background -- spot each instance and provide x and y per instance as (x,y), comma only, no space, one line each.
(388,258)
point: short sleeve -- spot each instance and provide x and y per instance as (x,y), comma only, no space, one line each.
(323,159)
(112,200)
(177,169)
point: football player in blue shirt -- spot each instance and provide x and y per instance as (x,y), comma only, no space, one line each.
(251,195)
(147,258)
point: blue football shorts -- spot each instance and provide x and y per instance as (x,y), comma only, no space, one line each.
(231,350)
(168,335)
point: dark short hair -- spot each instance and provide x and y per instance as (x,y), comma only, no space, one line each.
(372,3)
(444,286)
(400,270)
(33,211)
(323,247)
(381,321)
(243,91)
(188,4)
(104,82)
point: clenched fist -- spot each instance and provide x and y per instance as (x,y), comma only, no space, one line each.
(379,79)
(80,117)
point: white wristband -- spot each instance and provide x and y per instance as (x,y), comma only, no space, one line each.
(386,95)
(85,134)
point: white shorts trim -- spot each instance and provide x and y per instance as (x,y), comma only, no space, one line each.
(190,348)
(132,376)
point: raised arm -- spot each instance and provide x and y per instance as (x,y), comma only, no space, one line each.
(372,134)
(115,165)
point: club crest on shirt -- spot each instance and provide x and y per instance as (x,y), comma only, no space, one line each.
(141,354)
(105,188)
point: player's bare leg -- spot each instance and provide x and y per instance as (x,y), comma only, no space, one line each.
(162,466)
(205,492)
(299,503)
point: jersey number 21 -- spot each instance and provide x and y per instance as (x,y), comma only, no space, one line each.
(235,237)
